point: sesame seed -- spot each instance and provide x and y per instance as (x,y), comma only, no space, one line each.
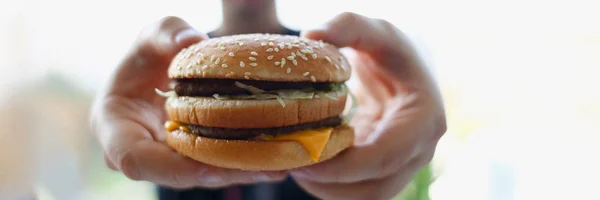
(277,63)
(270,57)
(317,96)
(255,39)
(288,70)
(305,73)
(246,77)
(271,44)
(224,65)
(231,54)
(289,46)
(304,57)
(252,58)
(178,67)
(281,45)
(269,50)
(263,44)
(293,54)
(222,47)
(253,64)
(328,59)
(321,43)
(295,62)
(337,66)
(304,51)
(212,58)
(276,49)
(282,62)
(313,79)
(242,64)
(254,53)
(197,61)
(290,57)
(218,61)
(189,66)
(203,74)
(295,45)
(247,73)
(314,56)
(241,43)
(204,67)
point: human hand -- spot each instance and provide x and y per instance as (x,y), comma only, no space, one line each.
(400,117)
(128,118)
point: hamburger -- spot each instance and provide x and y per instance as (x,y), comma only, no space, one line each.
(258,102)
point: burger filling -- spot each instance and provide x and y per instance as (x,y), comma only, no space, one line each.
(229,87)
(260,133)
(313,135)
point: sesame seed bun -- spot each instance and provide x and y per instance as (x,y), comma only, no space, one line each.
(265,57)
(208,111)
(255,155)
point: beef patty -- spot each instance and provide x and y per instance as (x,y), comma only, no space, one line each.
(208,87)
(245,134)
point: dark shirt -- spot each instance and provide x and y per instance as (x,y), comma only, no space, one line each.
(287,189)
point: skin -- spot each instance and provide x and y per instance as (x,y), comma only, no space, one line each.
(128,117)
(400,118)
(399,122)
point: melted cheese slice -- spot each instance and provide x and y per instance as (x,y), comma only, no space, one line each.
(314,141)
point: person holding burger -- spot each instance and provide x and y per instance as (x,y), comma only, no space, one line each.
(214,137)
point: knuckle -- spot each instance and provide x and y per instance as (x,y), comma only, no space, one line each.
(442,126)
(128,166)
(349,17)
(165,22)
(384,23)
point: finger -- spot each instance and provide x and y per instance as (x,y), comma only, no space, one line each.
(150,57)
(381,40)
(109,163)
(384,188)
(398,138)
(138,157)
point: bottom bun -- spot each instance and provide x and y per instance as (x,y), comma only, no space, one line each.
(256,155)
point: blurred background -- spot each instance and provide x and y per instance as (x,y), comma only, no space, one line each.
(519,78)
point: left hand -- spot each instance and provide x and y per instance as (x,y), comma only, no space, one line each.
(399,120)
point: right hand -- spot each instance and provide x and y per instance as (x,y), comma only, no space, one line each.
(128,117)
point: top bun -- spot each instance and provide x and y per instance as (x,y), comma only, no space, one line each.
(266,57)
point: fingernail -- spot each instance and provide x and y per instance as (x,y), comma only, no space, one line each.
(261,177)
(185,34)
(211,179)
